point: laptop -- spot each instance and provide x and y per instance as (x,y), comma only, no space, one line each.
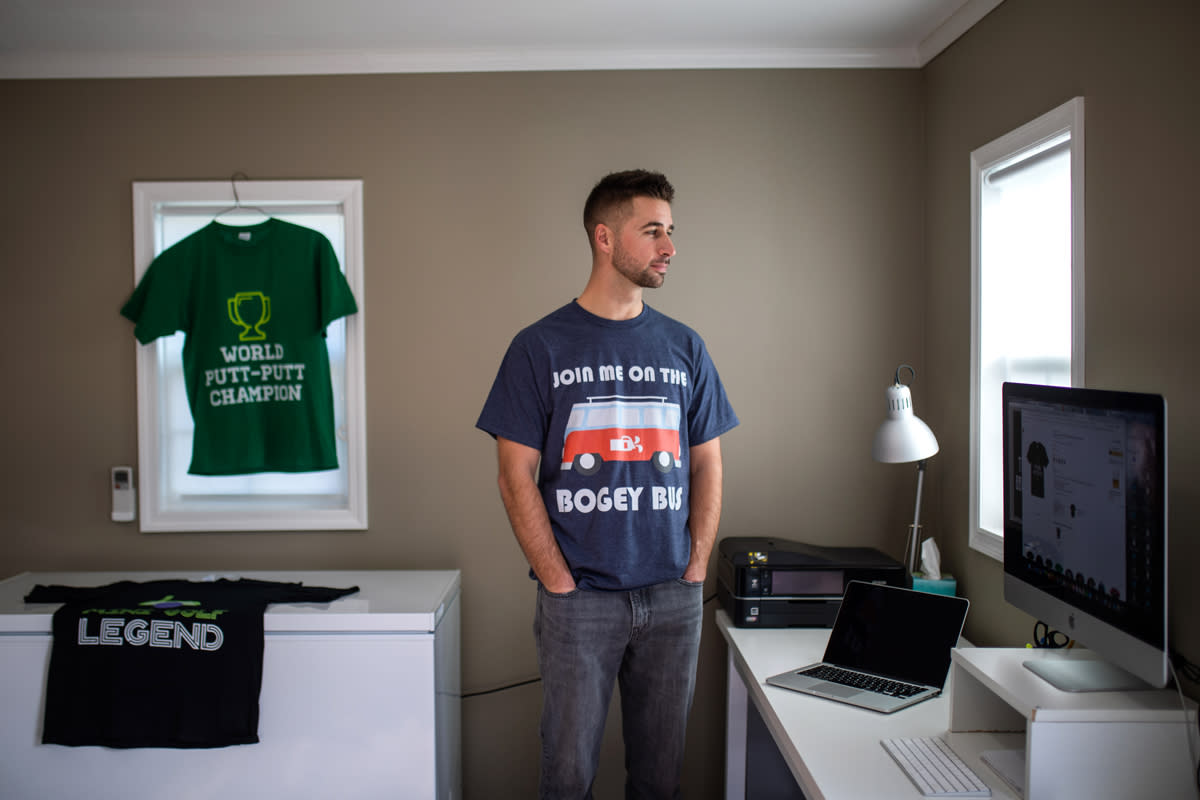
(889,648)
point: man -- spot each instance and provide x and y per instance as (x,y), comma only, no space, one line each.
(607,415)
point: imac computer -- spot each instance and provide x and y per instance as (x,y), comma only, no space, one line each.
(1085,530)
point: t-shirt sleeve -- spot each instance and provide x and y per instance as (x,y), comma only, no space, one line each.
(514,408)
(50,594)
(41,593)
(158,305)
(711,413)
(277,592)
(317,594)
(336,297)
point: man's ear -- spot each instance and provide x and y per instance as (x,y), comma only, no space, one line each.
(603,237)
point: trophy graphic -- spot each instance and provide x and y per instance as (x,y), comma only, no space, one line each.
(253,306)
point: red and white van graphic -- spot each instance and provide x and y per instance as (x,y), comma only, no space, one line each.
(619,428)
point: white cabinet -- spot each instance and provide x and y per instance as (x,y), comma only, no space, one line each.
(360,700)
(1089,744)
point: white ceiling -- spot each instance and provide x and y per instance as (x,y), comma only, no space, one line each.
(172,38)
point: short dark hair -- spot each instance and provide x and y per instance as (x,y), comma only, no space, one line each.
(617,190)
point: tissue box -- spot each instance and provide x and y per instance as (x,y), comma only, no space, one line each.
(944,585)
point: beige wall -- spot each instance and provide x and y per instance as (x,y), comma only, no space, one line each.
(799,236)
(1136,68)
(823,238)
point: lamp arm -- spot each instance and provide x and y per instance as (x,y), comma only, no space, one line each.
(916,526)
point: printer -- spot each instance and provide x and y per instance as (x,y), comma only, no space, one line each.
(767,582)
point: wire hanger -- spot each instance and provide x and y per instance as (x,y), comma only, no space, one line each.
(237,201)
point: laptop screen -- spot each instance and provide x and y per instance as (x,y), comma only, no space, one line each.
(898,633)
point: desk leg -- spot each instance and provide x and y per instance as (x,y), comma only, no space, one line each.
(736,699)
(754,767)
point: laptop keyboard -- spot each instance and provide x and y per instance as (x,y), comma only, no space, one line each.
(858,680)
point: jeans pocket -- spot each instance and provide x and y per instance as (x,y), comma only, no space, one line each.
(690,584)
(558,595)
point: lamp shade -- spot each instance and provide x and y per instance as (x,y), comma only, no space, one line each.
(902,437)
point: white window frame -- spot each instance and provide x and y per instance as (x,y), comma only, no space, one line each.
(1029,138)
(251,512)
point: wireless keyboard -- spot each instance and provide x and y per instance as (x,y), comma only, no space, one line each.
(934,768)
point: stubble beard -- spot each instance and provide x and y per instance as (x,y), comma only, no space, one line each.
(634,271)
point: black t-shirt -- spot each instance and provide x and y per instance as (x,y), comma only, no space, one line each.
(1039,459)
(169,663)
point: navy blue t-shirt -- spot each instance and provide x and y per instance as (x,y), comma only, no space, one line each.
(613,406)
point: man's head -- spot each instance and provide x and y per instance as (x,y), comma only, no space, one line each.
(612,198)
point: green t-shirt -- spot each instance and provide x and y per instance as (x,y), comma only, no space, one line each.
(254,303)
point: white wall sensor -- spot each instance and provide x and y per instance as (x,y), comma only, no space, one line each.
(124,496)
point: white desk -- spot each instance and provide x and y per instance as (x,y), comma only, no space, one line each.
(831,749)
(1096,745)
(359,699)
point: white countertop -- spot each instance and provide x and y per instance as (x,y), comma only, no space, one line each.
(388,601)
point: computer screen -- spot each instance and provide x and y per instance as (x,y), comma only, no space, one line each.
(1085,528)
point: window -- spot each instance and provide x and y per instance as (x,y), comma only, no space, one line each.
(171,499)
(1026,286)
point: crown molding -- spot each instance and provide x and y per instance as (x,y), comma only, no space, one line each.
(150,64)
(175,65)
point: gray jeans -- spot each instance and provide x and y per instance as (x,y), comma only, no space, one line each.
(647,640)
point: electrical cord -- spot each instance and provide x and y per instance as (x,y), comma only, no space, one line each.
(1183,705)
(528,681)
(504,688)
(1047,637)
(1190,671)
(1187,668)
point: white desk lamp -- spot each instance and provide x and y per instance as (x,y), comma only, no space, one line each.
(902,439)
